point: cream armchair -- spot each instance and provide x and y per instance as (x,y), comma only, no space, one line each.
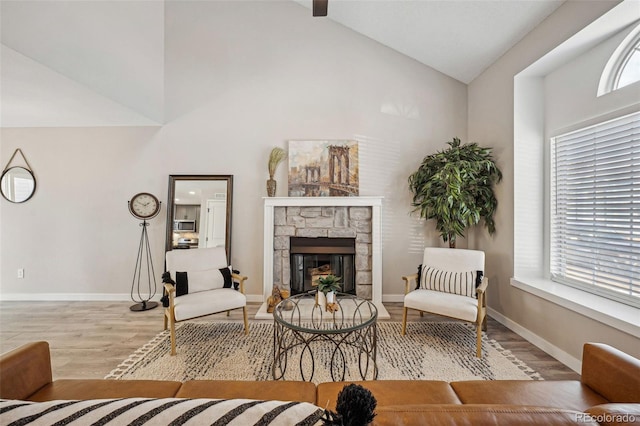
(449,286)
(205,285)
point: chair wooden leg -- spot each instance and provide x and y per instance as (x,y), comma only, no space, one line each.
(246,322)
(404,321)
(228,313)
(479,341)
(172,326)
(421,314)
(165,320)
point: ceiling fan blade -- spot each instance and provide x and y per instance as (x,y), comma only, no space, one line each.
(320,7)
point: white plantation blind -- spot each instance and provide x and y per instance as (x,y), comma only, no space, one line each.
(595,201)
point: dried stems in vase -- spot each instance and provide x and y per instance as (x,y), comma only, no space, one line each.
(275,158)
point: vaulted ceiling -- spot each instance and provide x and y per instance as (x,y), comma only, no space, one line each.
(460,38)
(93,63)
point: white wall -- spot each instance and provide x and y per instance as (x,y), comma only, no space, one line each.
(240,78)
(570,90)
(558,330)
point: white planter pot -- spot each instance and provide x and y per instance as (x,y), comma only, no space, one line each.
(331,297)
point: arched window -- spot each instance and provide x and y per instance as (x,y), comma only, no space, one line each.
(623,68)
(629,72)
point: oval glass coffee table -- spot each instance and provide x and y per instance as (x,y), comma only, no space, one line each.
(307,338)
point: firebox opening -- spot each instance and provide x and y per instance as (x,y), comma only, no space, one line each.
(313,257)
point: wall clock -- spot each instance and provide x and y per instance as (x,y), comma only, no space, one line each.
(144,206)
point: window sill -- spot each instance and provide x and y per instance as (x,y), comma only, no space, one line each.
(620,316)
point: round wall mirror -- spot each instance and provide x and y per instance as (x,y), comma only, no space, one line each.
(17,184)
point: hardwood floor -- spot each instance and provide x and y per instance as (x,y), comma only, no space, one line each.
(89,339)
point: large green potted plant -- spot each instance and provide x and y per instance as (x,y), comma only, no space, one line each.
(454,187)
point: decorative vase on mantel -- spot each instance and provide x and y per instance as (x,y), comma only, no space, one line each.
(276,156)
(271,187)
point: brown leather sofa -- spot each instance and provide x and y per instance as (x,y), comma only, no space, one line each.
(608,392)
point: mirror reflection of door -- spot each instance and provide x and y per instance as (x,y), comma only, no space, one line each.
(214,225)
(199,211)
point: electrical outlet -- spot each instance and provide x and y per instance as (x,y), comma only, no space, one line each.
(21,273)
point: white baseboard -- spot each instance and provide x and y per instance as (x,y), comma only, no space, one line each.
(393,298)
(84,297)
(562,356)
(252,298)
(87,297)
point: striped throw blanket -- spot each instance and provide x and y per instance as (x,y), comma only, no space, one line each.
(163,411)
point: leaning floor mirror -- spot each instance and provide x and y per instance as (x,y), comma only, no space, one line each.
(199,212)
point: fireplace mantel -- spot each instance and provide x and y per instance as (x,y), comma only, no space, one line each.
(375,203)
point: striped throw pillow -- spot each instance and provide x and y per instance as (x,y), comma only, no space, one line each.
(462,283)
(161,412)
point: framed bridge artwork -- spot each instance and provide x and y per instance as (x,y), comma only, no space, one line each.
(323,168)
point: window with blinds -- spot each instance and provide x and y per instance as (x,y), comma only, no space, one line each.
(595,209)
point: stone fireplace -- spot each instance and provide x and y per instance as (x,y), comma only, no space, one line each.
(341,233)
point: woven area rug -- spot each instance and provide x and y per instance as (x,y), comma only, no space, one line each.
(221,351)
